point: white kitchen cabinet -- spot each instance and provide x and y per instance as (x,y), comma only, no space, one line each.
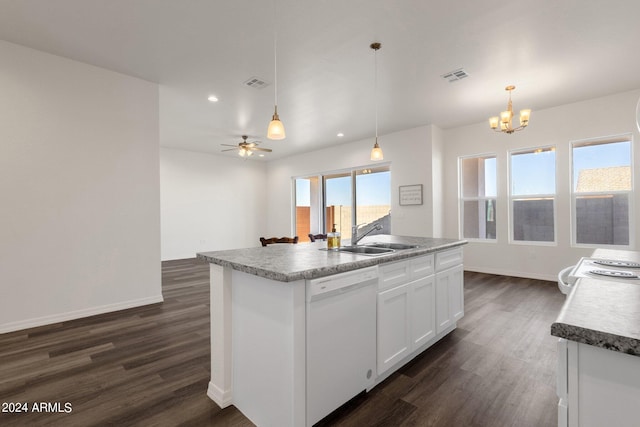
(449,297)
(393,333)
(423,313)
(406,312)
(596,387)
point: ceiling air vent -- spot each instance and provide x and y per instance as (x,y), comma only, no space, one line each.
(255,82)
(455,75)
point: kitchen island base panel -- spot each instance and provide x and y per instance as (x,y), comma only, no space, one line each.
(268,347)
(220,385)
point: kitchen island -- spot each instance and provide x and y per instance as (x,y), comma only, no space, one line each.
(262,353)
(599,349)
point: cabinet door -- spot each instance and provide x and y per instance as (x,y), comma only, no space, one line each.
(394,339)
(456,291)
(443,304)
(423,311)
(449,297)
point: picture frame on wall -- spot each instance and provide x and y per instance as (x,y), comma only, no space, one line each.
(410,194)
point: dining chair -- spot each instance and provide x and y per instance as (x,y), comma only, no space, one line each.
(314,237)
(271,240)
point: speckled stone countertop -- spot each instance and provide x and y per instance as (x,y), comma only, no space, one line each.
(288,263)
(603,313)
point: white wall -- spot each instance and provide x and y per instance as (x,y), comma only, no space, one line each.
(557,126)
(408,151)
(210,202)
(79,207)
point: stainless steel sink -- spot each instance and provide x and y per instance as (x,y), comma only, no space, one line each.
(398,246)
(366,250)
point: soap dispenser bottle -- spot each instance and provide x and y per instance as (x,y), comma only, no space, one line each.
(333,239)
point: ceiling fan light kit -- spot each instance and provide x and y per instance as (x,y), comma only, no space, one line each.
(246,149)
(506,117)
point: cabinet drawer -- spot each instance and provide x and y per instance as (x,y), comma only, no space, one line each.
(421,267)
(393,274)
(449,258)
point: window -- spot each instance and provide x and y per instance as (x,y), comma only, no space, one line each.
(358,196)
(478,201)
(601,191)
(532,195)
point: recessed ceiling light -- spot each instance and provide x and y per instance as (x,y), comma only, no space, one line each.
(213,98)
(261,155)
(340,135)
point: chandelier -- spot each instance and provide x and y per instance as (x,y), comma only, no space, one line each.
(506,117)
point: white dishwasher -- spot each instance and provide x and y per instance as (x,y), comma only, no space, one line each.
(341,339)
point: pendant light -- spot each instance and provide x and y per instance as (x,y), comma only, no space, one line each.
(276,128)
(376,151)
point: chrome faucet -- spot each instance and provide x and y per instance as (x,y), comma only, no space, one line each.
(355,238)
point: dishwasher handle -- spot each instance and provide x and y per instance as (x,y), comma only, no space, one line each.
(340,283)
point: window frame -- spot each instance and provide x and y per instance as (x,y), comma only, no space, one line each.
(511,198)
(573,195)
(462,199)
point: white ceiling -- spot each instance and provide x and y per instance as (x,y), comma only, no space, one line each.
(554,51)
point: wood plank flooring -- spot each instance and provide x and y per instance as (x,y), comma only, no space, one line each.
(150,366)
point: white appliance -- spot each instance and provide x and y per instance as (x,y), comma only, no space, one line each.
(341,339)
(597,268)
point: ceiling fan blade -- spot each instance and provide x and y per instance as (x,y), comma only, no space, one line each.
(230,149)
(229,145)
(251,145)
(268,150)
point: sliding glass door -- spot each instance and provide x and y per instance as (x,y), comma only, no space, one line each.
(344,198)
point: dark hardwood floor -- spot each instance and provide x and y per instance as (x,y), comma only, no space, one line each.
(150,366)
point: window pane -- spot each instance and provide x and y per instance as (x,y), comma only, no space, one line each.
(479,177)
(533,220)
(479,219)
(373,197)
(338,206)
(602,185)
(308,212)
(603,219)
(602,167)
(533,172)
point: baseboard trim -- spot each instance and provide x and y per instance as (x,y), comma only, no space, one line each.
(78,314)
(220,397)
(502,272)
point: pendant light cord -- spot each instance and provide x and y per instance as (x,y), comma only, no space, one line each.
(275,51)
(375,88)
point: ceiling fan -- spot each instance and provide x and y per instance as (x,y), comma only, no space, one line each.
(246,149)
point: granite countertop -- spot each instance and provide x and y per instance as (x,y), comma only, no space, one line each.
(288,263)
(602,313)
